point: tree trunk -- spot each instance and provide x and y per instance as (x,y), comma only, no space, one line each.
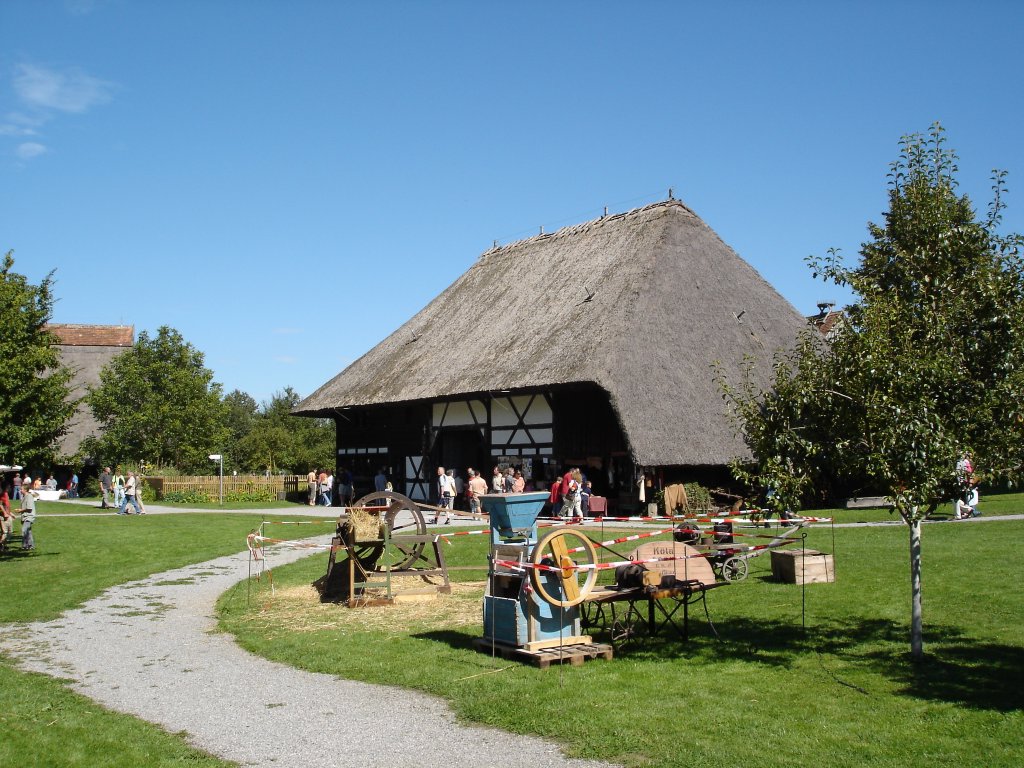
(916,624)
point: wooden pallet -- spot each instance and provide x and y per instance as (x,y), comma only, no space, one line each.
(572,654)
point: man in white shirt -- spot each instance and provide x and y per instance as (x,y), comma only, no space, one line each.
(445,493)
(130,491)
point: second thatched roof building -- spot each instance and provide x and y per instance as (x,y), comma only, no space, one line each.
(589,346)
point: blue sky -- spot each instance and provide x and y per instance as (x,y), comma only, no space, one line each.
(287,182)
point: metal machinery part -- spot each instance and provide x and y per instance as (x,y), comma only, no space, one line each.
(553,550)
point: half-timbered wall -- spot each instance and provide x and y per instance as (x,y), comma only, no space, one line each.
(370,438)
(542,429)
(522,425)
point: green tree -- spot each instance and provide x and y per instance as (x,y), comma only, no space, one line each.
(35,402)
(240,414)
(929,365)
(284,442)
(158,402)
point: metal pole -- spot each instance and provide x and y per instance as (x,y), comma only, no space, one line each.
(222,479)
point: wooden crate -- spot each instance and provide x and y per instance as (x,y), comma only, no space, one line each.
(802,566)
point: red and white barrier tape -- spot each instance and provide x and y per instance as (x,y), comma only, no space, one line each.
(634,537)
(464,533)
(516,565)
(300,522)
(261,540)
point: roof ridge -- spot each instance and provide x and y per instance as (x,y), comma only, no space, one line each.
(575,229)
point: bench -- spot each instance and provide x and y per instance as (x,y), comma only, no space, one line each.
(679,582)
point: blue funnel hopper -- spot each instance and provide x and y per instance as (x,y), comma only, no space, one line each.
(513,514)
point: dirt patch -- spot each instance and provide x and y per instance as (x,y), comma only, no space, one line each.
(299,609)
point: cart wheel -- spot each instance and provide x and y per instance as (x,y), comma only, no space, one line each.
(403,515)
(734,569)
(553,550)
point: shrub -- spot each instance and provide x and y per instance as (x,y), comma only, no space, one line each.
(257,495)
(89,487)
(698,499)
(186,497)
(148,492)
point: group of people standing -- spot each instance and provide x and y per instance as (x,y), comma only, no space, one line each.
(70,488)
(451,490)
(570,495)
(322,490)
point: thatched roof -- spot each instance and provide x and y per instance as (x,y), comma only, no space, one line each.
(667,298)
(85,349)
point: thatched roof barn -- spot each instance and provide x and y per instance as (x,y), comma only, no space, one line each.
(85,349)
(614,324)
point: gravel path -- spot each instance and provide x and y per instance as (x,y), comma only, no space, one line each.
(147,648)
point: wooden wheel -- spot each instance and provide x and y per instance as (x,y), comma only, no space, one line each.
(734,569)
(553,550)
(403,515)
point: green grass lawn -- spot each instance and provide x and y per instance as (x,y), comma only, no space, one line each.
(70,507)
(41,721)
(993,505)
(841,692)
(767,693)
(45,724)
(76,558)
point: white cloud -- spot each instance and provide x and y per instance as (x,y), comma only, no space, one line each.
(17,124)
(30,149)
(69,91)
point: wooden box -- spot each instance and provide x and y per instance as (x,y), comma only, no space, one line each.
(802,566)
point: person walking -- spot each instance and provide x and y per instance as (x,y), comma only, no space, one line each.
(28,517)
(17,486)
(73,487)
(106,486)
(129,496)
(445,494)
(118,489)
(476,488)
(322,490)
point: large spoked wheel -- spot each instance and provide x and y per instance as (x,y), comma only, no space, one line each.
(734,569)
(560,549)
(403,515)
